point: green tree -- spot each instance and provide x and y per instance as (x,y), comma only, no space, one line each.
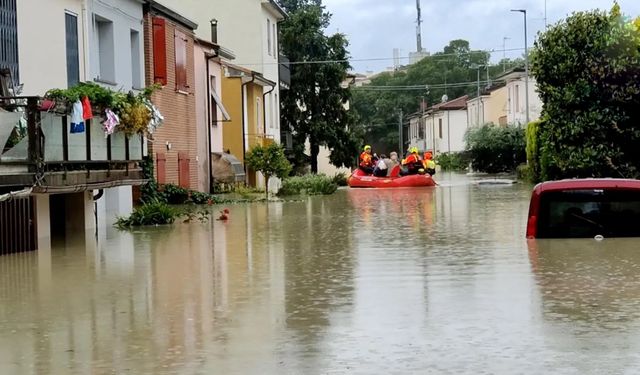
(269,160)
(587,70)
(314,107)
(378,108)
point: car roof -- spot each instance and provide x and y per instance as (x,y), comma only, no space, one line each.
(588,183)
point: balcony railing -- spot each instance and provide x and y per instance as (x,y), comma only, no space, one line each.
(46,155)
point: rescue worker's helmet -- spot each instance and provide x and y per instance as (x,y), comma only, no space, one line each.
(414,150)
(367,147)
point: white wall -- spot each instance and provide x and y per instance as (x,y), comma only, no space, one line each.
(517,101)
(126,16)
(454,127)
(41,43)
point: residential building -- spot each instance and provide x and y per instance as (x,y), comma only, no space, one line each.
(211,114)
(490,107)
(244,93)
(515,83)
(65,182)
(169,52)
(441,128)
(255,43)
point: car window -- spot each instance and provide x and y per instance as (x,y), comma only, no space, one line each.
(587,213)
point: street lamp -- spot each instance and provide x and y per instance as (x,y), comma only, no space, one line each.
(526,61)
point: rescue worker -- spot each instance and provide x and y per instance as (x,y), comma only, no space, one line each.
(428,163)
(366,161)
(412,163)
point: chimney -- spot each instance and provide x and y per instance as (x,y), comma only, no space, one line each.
(214,30)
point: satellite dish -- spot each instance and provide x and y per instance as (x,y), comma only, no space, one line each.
(445,98)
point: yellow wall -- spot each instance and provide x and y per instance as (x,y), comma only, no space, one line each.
(497,105)
(255,116)
(232,131)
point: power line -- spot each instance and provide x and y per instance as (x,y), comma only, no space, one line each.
(424,87)
(440,55)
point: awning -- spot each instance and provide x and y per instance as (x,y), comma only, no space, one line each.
(218,101)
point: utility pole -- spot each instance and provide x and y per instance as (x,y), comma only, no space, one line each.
(478,103)
(401,138)
(526,62)
(545,14)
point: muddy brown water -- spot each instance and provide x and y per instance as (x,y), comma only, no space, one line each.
(436,280)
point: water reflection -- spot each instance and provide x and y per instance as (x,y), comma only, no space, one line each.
(365,281)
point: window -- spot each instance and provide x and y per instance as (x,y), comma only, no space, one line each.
(269,37)
(275,40)
(275,112)
(214,105)
(517,100)
(440,128)
(136,72)
(107,69)
(9,40)
(159,51)
(259,116)
(73,56)
(181,62)
(420,129)
(587,213)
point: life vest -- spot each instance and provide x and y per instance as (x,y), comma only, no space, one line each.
(366,160)
(411,159)
(429,164)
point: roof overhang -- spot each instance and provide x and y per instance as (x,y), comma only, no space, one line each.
(155,7)
(274,8)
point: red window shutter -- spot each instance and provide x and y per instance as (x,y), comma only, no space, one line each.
(159,51)
(161,168)
(181,61)
(183,170)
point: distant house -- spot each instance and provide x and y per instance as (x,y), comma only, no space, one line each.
(490,107)
(516,96)
(441,128)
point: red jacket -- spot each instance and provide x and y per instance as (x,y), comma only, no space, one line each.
(366,160)
(411,159)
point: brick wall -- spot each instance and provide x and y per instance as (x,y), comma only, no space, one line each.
(178,109)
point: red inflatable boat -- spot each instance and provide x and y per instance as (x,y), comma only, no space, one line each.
(359,179)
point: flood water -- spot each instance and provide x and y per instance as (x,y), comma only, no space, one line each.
(437,280)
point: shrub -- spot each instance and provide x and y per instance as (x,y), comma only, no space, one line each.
(310,184)
(586,68)
(453,161)
(533,152)
(270,160)
(152,213)
(340,179)
(494,149)
(174,194)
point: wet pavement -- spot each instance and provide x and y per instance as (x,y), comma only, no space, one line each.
(436,280)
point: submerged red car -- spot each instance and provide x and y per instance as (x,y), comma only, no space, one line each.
(585,208)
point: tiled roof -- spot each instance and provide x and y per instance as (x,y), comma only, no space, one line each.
(458,103)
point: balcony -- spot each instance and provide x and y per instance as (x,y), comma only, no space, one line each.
(45,155)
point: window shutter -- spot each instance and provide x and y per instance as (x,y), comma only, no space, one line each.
(159,51)
(181,61)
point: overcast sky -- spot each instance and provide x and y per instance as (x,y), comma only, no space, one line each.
(376,27)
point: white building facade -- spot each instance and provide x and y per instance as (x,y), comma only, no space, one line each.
(441,128)
(516,107)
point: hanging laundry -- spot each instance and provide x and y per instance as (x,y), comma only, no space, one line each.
(109,124)
(87,114)
(156,117)
(77,122)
